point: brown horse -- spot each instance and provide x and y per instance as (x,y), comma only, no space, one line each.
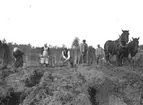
(133,46)
(132,49)
(116,47)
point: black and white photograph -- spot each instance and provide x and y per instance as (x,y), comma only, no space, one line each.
(71,52)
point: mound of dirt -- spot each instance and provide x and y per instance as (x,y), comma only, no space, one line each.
(124,85)
(67,86)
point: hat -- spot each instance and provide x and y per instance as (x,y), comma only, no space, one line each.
(84,40)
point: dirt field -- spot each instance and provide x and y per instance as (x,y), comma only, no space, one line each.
(85,85)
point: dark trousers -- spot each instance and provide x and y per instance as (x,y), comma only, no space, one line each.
(84,57)
(99,58)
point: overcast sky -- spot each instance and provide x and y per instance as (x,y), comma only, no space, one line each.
(58,22)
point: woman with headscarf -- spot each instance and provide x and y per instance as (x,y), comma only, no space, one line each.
(18,55)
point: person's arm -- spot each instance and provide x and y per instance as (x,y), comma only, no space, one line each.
(103,52)
(63,55)
(80,47)
(68,55)
(87,46)
(97,52)
(13,55)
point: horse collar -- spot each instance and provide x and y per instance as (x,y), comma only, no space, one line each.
(122,45)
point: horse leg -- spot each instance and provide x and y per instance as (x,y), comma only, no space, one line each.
(107,57)
(122,60)
(119,60)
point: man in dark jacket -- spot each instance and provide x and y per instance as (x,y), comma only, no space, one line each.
(84,50)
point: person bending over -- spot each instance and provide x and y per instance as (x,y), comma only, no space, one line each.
(18,55)
(66,57)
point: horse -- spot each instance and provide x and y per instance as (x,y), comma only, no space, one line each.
(133,47)
(4,50)
(116,47)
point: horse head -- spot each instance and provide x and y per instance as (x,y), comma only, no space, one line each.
(125,36)
(135,43)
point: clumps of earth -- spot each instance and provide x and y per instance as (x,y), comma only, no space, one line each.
(68,86)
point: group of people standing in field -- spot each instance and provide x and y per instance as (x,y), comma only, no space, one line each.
(66,55)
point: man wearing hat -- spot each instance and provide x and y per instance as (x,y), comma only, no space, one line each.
(83,51)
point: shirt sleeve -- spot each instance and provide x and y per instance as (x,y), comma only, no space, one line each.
(63,55)
(68,55)
(96,53)
(80,46)
(103,51)
(87,46)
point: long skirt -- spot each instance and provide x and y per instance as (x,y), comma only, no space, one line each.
(44,60)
